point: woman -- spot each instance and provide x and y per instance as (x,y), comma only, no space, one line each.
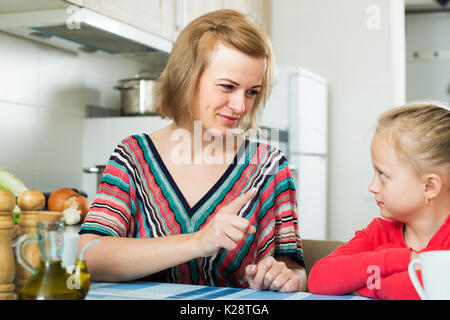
(171,207)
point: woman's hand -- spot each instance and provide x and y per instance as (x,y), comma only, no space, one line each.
(226,229)
(270,274)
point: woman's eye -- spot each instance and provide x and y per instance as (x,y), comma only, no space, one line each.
(252,93)
(382,175)
(227,86)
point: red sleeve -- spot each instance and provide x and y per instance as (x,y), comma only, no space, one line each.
(397,286)
(351,266)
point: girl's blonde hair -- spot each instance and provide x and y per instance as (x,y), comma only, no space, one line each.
(190,56)
(420,132)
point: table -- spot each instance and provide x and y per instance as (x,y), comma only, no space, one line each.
(171,291)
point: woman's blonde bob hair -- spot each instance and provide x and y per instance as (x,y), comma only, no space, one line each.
(190,56)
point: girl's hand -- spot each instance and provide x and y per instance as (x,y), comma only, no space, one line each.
(270,274)
(226,229)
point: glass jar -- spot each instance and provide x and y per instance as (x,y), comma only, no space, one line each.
(50,280)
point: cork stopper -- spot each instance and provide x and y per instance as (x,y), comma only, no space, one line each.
(50,216)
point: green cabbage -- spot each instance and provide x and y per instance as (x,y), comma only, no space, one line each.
(11,183)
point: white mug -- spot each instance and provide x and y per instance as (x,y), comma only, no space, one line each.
(69,257)
(435,267)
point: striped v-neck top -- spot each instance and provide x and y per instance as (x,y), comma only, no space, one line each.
(139,198)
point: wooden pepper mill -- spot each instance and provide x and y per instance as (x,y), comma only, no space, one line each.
(27,225)
(29,217)
(7,265)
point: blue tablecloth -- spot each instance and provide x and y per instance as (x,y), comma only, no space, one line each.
(171,291)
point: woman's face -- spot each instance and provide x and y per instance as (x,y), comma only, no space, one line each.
(227,88)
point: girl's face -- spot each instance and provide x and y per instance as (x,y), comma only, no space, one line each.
(398,189)
(227,88)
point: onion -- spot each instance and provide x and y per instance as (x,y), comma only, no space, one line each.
(56,199)
(31,200)
(7,200)
(83,204)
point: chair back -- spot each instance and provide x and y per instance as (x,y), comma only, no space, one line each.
(314,250)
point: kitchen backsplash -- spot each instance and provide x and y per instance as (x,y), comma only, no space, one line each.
(43,95)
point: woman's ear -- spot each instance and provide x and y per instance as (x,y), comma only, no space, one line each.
(433,186)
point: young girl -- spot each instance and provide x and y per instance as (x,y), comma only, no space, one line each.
(411,158)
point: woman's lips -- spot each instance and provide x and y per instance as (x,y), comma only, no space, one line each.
(228,120)
(379,203)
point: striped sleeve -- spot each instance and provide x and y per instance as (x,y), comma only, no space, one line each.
(281,205)
(111,211)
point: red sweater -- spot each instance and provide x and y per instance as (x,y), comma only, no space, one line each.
(379,249)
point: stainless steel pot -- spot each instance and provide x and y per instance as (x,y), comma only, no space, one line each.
(137,94)
(98,170)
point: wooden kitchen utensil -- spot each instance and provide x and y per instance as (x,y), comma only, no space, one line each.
(7,265)
(27,225)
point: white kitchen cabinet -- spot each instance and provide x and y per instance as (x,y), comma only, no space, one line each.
(79,3)
(154,16)
(164,18)
(187,10)
(196,8)
(258,10)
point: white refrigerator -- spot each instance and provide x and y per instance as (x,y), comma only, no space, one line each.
(299,105)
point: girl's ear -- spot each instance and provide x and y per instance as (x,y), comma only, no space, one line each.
(433,185)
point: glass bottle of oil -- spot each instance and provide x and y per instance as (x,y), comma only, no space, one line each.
(81,275)
(50,281)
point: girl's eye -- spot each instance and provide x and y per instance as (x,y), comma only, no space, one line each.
(382,175)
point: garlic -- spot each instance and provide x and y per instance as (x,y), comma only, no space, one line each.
(72,215)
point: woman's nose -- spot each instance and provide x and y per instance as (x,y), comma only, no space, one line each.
(237,102)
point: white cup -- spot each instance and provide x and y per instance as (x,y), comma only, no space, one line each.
(435,267)
(69,257)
